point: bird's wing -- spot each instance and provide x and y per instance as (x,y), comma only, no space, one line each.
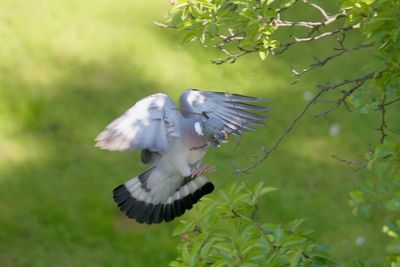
(148,125)
(232,109)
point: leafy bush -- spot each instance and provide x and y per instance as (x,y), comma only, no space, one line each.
(238,28)
(381,195)
(224,230)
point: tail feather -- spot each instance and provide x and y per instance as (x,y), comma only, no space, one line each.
(135,199)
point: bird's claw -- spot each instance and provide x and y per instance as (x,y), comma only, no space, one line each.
(203,169)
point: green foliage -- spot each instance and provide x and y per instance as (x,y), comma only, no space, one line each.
(223,230)
(380,23)
(245,24)
(381,194)
(237,28)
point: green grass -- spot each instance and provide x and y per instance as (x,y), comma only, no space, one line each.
(68,68)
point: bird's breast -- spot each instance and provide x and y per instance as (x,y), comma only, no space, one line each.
(195,147)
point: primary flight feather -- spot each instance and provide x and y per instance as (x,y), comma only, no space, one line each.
(174,142)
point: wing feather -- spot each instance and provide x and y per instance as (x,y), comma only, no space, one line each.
(147,125)
(237,115)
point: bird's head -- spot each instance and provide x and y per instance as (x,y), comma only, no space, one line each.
(214,131)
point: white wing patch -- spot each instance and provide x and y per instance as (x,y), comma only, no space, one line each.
(198,128)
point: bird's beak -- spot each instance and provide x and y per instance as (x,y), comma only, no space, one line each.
(221,136)
(224,137)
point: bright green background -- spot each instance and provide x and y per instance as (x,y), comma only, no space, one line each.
(68,67)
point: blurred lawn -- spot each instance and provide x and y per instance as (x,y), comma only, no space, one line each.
(69,67)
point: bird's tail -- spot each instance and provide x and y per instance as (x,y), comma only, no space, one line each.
(151,198)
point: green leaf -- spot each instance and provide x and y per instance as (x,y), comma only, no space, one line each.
(263,55)
(225,247)
(219,263)
(205,250)
(294,225)
(267,190)
(358,263)
(184,227)
(189,36)
(174,264)
(293,242)
(393,204)
(394,248)
(249,264)
(250,245)
(185,254)
(295,258)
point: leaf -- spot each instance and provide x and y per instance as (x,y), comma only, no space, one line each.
(219,263)
(294,225)
(249,264)
(263,55)
(394,248)
(295,258)
(250,245)
(185,254)
(278,235)
(393,204)
(358,263)
(205,250)
(184,227)
(189,36)
(225,247)
(175,264)
(293,242)
(267,190)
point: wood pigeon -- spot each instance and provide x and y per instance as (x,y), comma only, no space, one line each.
(173,142)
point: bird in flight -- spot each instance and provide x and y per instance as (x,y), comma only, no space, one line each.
(173,142)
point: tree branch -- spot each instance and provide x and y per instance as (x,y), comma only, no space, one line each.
(231,58)
(355,162)
(358,82)
(310,37)
(281,137)
(320,63)
(390,102)
(383,124)
(277,22)
(322,90)
(308,24)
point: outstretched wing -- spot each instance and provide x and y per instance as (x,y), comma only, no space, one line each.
(230,108)
(147,125)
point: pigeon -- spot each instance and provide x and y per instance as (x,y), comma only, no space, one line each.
(173,142)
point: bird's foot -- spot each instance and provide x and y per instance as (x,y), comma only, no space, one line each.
(202,169)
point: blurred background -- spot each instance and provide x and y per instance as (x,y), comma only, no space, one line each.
(69,67)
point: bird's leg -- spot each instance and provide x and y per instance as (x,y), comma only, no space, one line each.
(202,169)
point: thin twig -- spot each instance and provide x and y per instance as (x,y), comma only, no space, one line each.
(308,24)
(277,22)
(347,161)
(362,164)
(281,137)
(296,40)
(358,82)
(383,124)
(319,8)
(390,102)
(231,57)
(322,89)
(356,170)
(255,220)
(162,25)
(320,63)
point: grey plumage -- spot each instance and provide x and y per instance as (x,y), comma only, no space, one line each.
(174,142)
